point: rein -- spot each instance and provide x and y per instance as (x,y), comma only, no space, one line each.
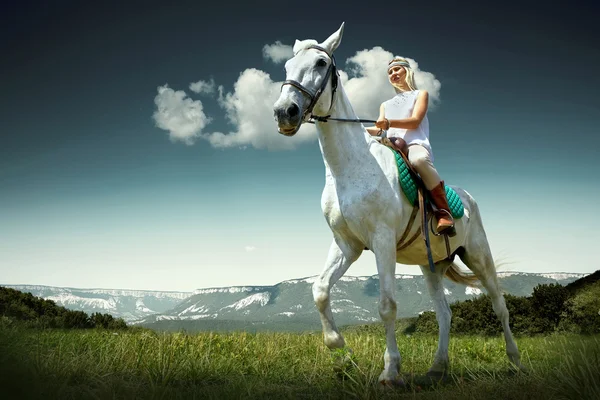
(329,118)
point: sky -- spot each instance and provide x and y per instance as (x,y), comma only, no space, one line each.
(138,148)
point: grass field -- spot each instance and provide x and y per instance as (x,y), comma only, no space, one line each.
(140,364)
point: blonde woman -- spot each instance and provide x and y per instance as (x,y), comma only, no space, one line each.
(405,117)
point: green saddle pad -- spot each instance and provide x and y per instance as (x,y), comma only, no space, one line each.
(409,187)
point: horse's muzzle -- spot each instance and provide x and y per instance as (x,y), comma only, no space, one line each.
(289,119)
(288,132)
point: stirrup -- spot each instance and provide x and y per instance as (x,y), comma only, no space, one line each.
(450,231)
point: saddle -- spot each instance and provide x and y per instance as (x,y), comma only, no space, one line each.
(426,207)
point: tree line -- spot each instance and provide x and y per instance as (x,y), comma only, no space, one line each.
(550,308)
(36,312)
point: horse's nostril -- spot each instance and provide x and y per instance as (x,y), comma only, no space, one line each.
(293,110)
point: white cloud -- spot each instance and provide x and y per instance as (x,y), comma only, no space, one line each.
(369,86)
(277,52)
(427,81)
(249,248)
(203,86)
(249,107)
(183,117)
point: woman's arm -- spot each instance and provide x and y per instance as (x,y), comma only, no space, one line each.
(414,120)
(374,130)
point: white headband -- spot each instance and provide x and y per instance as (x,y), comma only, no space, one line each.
(396,63)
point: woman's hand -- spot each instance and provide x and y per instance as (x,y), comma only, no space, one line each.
(373,131)
(383,124)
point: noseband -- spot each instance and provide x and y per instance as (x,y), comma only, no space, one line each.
(314,97)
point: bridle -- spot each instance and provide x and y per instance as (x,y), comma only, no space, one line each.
(314,97)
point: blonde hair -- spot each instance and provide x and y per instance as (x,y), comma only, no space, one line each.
(409,78)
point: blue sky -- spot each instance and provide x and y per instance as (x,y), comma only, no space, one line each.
(97,191)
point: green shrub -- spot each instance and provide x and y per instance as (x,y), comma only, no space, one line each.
(35,312)
(582,311)
(550,308)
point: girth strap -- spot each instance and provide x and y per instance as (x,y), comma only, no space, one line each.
(411,220)
(423,207)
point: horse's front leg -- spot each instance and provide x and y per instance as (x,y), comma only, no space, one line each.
(338,261)
(385,254)
(443,315)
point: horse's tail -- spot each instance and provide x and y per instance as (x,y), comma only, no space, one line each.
(455,274)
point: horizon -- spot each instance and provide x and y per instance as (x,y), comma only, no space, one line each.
(139,148)
(345,276)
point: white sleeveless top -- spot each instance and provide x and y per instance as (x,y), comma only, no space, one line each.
(401,106)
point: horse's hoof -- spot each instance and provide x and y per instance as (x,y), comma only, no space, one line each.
(518,369)
(397,383)
(343,361)
(437,376)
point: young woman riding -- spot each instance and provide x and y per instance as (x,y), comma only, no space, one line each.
(405,117)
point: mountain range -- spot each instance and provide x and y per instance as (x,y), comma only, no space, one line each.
(287,305)
(131,305)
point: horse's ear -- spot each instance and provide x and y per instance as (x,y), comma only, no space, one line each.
(296,47)
(334,40)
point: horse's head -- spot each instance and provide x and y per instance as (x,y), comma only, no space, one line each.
(311,80)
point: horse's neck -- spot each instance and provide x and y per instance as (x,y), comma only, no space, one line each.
(343,144)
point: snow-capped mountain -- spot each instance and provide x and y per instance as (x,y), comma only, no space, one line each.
(130,305)
(287,305)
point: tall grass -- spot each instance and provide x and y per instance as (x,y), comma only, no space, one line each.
(140,364)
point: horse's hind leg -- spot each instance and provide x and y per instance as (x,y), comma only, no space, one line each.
(338,262)
(478,257)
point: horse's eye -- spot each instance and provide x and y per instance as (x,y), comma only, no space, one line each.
(321,63)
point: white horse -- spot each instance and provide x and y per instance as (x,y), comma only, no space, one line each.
(364,207)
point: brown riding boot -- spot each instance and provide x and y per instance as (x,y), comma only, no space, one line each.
(443,215)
